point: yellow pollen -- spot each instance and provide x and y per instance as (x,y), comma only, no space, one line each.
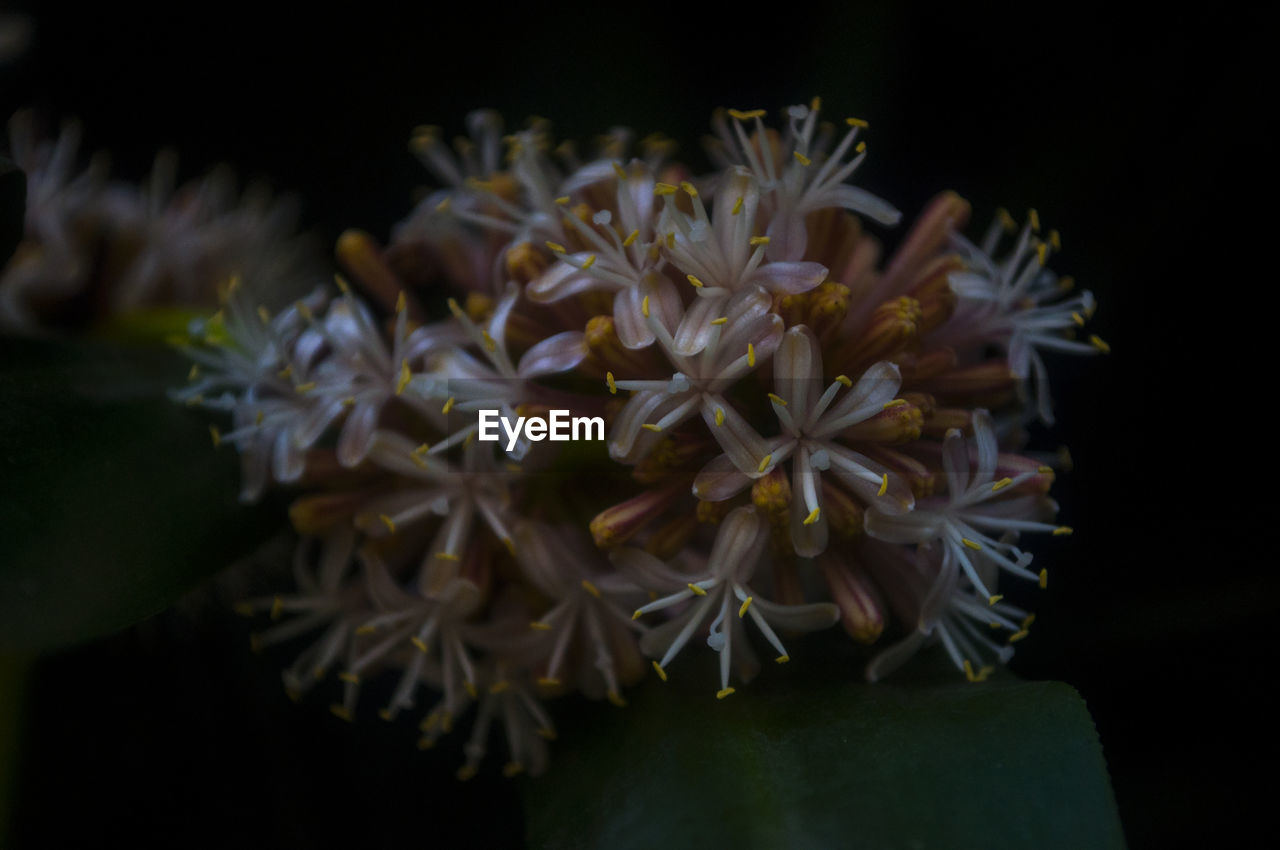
(564,199)
(782,659)
(547,732)
(747,115)
(1044,579)
(618,171)
(664,189)
(343,286)
(306,388)
(466,772)
(844,381)
(649,426)
(490,344)
(1017,636)
(1042,253)
(897,402)
(405,376)
(1055,240)
(591,588)
(471,688)
(447,556)
(697,591)
(644,307)
(856,122)
(697,283)
(388,522)
(1030,618)
(719,416)
(1006,220)
(1099,344)
(720,321)
(994,599)
(637,614)
(662,674)
(993,624)
(631,238)
(746,603)
(1044,470)
(1077,318)
(448,405)
(884,484)
(860,147)
(366,629)
(1034,218)
(671,239)
(1001,484)
(815,104)
(616,698)
(548,682)
(1063,531)
(751,355)
(443,206)
(968,671)
(422,449)
(721,694)
(537,625)
(777,399)
(737,206)
(216,435)
(349,677)
(341,711)
(813,516)
(801,158)
(613,385)
(588,262)
(764,463)
(970,543)
(758,240)
(689,188)
(555,247)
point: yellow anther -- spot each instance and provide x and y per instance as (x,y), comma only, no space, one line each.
(547,732)
(564,199)
(1042,253)
(782,659)
(1063,531)
(993,624)
(860,147)
(1078,319)
(386,714)
(244,609)
(758,240)
(689,188)
(764,463)
(992,600)
(720,321)
(697,591)
(540,626)
(591,588)
(341,711)
(499,686)
(1044,578)
(1044,470)
(470,687)
(644,307)
(447,556)
(671,239)
(444,205)
(856,122)
(405,376)
(1034,218)
(724,692)
(556,247)
(388,522)
(613,385)
(448,405)
(801,158)
(343,286)
(631,238)
(422,449)
(490,344)
(1001,484)
(616,698)
(737,206)
(844,380)
(588,262)
(346,676)
(1098,343)
(884,484)
(1018,635)
(815,104)
(662,674)
(777,399)
(305,388)
(694,280)
(618,171)
(216,435)
(277,608)
(548,682)
(1006,220)
(1066,283)
(506,541)
(751,355)
(366,629)
(264,315)
(746,115)
(455,308)
(968,671)
(1028,620)
(970,543)
(637,614)
(813,516)
(194,400)
(649,426)
(890,405)
(719,416)
(664,189)
(1055,240)
(746,603)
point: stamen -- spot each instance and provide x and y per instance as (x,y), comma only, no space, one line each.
(591,588)
(697,590)
(662,674)
(746,603)
(764,463)
(884,484)
(724,692)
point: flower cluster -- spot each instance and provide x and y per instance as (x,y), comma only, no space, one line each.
(798,429)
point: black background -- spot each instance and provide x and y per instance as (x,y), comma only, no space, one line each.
(1139,136)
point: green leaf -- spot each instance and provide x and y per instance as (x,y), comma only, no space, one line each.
(115,501)
(811,758)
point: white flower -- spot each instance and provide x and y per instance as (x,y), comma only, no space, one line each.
(724,590)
